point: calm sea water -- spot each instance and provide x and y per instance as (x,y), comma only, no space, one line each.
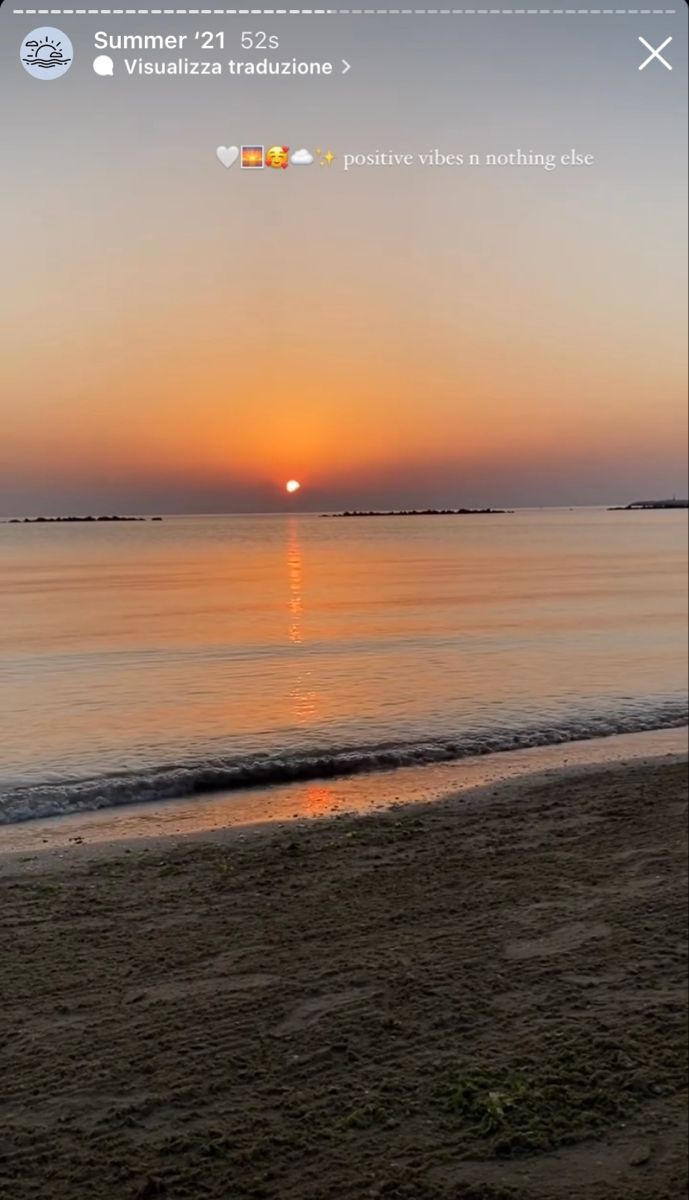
(150,660)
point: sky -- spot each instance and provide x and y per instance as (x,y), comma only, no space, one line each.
(177,337)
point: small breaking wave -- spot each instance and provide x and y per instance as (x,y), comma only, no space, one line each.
(176,780)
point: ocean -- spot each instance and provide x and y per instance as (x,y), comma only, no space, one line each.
(152,661)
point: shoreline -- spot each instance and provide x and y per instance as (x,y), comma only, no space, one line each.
(216,815)
(507,789)
(480,997)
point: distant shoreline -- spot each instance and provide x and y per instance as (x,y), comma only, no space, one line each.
(423,512)
(75,520)
(650,506)
(117,518)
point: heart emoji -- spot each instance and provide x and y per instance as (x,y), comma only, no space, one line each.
(227,155)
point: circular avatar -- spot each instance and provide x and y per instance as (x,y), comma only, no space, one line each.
(46,53)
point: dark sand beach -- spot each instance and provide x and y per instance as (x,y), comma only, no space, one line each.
(479,998)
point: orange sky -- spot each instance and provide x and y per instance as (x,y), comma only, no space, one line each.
(185,329)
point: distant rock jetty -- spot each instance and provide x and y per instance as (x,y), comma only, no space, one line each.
(649,505)
(422,512)
(74,520)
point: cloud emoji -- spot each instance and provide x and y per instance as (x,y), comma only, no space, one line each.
(301,158)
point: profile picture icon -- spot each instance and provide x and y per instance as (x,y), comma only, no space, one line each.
(46,53)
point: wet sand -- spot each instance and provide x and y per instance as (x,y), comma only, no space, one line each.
(211,814)
(479,998)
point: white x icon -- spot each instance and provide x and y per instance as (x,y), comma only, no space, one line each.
(655,53)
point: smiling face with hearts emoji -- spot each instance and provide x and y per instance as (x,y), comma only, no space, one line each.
(227,155)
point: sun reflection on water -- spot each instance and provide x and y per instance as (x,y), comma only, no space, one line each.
(295,578)
(304,699)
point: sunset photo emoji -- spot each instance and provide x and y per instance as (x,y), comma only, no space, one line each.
(252,157)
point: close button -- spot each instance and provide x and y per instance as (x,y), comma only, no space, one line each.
(655,54)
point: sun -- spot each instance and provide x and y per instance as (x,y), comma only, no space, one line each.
(292,485)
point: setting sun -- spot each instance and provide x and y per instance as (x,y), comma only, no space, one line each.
(292,485)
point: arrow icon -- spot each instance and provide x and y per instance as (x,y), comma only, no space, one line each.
(346,66)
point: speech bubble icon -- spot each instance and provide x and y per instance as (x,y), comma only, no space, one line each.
(103,65)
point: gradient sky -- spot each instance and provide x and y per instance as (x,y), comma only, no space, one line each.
(178,337)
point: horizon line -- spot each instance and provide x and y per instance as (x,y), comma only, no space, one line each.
(312,512)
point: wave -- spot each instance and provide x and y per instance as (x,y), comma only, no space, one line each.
(47,64)
(176,780)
